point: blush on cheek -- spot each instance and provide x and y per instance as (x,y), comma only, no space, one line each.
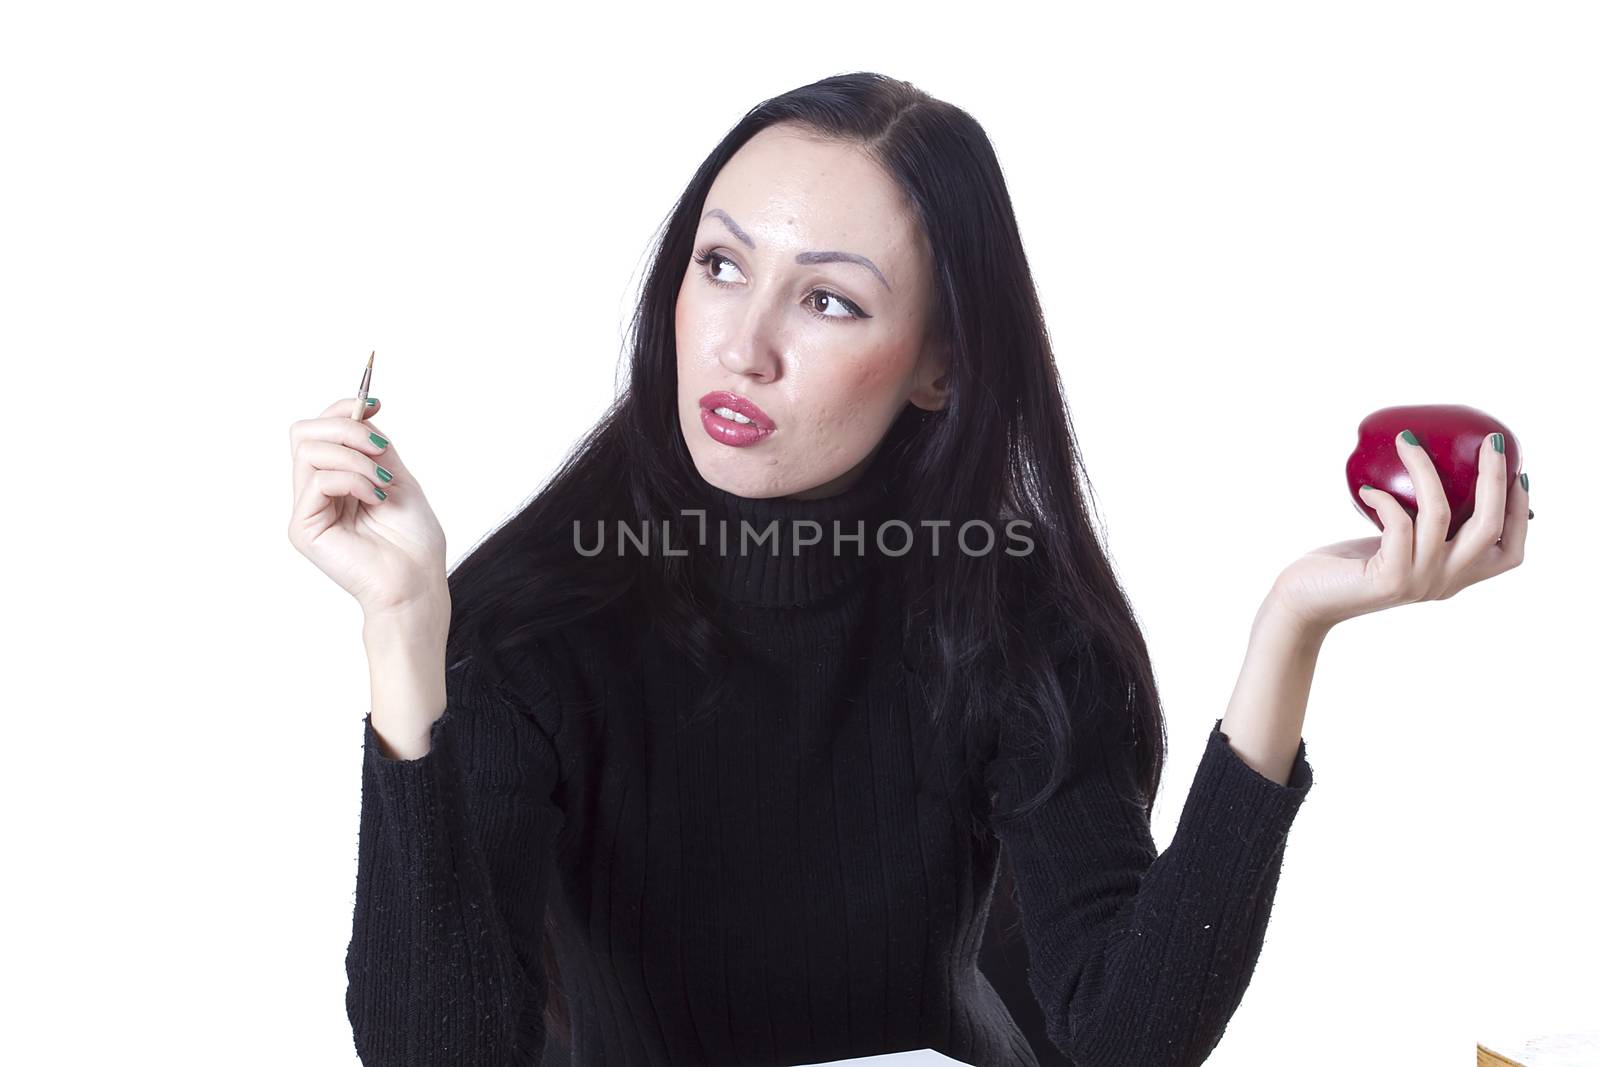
(878,377)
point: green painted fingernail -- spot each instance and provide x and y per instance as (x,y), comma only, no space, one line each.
(372,401)
(385,475)
(1499,441)
(381,494)
(381,442)
(1410,437)
(1524,481)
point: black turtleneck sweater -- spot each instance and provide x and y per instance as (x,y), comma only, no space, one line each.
(807,876)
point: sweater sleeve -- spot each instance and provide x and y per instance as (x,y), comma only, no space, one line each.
(1138,958)
(445,961)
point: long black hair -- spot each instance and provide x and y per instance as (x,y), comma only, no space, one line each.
(1025,639)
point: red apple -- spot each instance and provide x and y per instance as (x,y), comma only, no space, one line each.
(1452,434)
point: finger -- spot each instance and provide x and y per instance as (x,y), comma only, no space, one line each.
(337,409)
(327,456)
(1508,553)
(324,489)
(1394,550)
(1514,531)
(1433,510)
(364,437)
(1481,532)
(336,428)
(347,405)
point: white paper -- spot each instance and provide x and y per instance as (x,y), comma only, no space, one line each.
(1552,1050)
(922,1057)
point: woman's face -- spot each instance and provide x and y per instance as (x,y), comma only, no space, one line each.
(829,350)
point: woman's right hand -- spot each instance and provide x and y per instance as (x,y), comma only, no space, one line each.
(387,553)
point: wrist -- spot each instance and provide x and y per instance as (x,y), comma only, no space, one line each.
(1266,716)
(420,625)
(405,663)
(407,679)
(1276,621)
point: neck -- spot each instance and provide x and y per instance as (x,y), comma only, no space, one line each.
(788,550)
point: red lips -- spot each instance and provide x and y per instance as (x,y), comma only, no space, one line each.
(731,432)
(721,398)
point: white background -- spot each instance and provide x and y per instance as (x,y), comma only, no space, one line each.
(1250,224)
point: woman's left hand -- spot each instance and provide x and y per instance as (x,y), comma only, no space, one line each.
(1411,561)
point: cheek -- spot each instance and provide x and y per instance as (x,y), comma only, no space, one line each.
(682,316)
(868,390)
(882,379)
(695,327)
(878,373)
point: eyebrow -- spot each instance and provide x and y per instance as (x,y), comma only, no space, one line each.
(803,257)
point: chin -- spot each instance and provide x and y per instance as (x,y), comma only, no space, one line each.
(743,472)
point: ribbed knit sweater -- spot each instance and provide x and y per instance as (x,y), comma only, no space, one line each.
(807,876)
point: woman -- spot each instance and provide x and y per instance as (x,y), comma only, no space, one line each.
(691,801)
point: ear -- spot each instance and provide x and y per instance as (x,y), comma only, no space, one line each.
(931,390)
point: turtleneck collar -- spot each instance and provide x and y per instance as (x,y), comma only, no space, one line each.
(779,568)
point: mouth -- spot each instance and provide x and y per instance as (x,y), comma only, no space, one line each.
(733,419)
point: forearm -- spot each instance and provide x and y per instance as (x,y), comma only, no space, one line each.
(1266,715)
(1142,957)
(452,878)
(405,663)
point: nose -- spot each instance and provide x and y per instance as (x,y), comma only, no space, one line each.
(754,347)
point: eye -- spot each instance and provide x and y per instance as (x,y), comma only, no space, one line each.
(705,256)
(851,312)
(710,262)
